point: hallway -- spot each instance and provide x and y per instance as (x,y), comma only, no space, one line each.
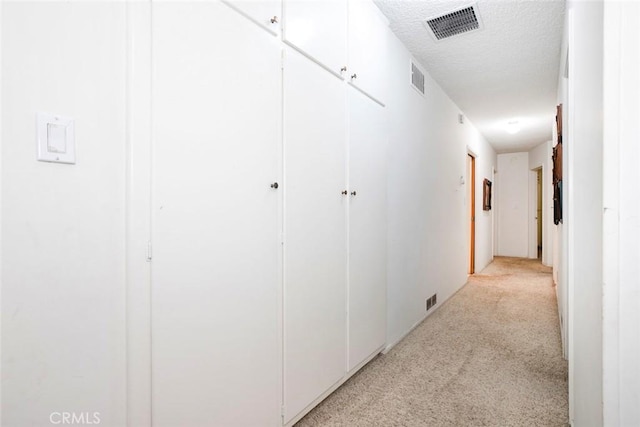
(489,356)
(217,213)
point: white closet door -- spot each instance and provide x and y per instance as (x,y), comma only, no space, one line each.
(266,13)
(368,46)
(215,352)
(319,29)
(367,227)
(315,236)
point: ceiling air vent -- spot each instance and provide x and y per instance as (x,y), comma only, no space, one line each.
(454,23)
(417,78)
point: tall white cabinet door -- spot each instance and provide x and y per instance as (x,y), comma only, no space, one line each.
(368,46)
(266,13)
(319,29)
(315,232)
(215,303)
(367,227)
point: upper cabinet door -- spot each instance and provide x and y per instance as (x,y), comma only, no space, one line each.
(266,13)
(368,45)
(318,28)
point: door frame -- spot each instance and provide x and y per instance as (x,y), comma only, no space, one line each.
(540,216)
(471,197)
(533,207)
(547,212)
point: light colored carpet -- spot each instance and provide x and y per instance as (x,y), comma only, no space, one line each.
(490,356)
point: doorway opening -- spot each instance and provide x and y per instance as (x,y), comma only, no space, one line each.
(471,179)
(539,211)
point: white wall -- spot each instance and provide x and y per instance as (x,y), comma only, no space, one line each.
(63,265)
(540,157)
(1,185)
(138,273)
(621,247)
(486,163)
(513,205)
(517,224)
(582,205)
(72,235)
(559,231)
(428,246)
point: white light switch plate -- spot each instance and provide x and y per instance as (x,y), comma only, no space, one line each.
(55,138)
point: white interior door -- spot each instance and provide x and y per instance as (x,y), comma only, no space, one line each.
(315,232)
(215,333)
(367,227)
(319,29)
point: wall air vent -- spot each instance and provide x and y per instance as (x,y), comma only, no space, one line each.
(454,23)
(417,78)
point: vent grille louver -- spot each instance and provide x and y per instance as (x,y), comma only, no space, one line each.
(417,78)
(454,23)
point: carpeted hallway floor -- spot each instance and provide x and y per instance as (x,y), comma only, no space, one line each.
(490,356)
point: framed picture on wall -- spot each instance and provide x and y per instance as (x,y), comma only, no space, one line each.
(559,122)
(486,195)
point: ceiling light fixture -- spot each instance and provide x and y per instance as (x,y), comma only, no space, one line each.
(512,127)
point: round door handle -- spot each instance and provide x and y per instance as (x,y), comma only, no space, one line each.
(274,185)
(345,192)
(353,193)
(354,76)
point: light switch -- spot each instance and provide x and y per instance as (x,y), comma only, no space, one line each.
(55,138)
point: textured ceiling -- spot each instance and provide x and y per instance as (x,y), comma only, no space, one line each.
(508,69)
